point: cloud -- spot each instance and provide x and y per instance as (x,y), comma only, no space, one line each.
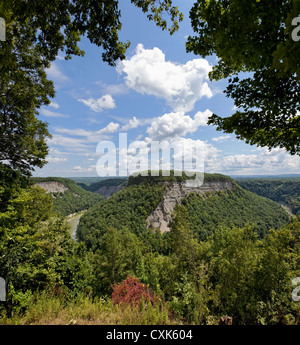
(112,127)
(56,159)
(73,144)
(148,72)
(79,132)
(54,105)
(262,162)
(78,168)
(174,125)
(100,104)
(56,74)
(49,113)
(146,154)
(222,138)
(112,89)
(133,123)
(87,136)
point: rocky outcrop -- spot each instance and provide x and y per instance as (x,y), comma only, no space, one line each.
(107,191)
(52,187)
(174,193)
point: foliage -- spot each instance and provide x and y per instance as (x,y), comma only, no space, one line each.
(94,187)
(35,33)
(283,191)
(36,249)
(57,25)
(73,200)
(24,88)
(127,209)
(117,256)
(257,275)
(237,207)
(132,292)
(253,36)
(161,176)
(49,308)
(192,291)
(178,277)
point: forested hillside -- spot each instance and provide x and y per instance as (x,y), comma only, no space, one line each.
(112,182)
(125,210)
(234,208)
(71,199)
(129,209)
(227,255)
(284,191)
(182,277)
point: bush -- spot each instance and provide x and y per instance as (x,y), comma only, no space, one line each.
(132,292)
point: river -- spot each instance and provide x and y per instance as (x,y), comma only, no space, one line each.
(73,222)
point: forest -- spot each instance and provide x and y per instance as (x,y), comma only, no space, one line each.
(120,271)
(283,191)
(73,200)
(231,255)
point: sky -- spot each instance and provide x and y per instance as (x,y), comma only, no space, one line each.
(112,121)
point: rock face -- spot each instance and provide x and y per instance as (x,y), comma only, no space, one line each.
(52,187)
(174,193)
(107,191)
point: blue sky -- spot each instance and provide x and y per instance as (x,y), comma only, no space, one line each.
(159,93)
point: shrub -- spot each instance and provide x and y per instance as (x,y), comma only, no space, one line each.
(132,292)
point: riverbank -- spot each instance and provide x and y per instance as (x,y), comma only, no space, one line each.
(73,221)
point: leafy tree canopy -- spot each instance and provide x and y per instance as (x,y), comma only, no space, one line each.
(58,25)
(253,36)
(35,33)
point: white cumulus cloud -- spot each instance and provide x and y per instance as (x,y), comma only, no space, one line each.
(181,85)
(132,123)
(99,104)
(174,125)
(112,127)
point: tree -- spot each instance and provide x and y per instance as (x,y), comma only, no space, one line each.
(24,88)
(58,25)
(35,33)
(235,254)
(117,257)
(193,292)
(253,36)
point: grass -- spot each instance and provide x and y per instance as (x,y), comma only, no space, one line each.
(53,310)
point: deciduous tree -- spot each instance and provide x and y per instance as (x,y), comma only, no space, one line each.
(253,36)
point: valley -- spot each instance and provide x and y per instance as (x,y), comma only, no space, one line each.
(194,253)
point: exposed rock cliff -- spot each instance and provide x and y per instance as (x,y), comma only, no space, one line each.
(107,191)
(174,193)
(52,187)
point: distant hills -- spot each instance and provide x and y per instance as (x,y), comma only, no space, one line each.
(285,191)
(288,176)
(106,187)
(68,196)
(219,202)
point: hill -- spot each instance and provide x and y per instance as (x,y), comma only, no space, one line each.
(68,197)
(148,203)
(106,187)
(285,191)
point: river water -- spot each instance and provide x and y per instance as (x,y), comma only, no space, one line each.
(73,222)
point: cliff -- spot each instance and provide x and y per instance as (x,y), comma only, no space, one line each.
(52,187)
(174,193)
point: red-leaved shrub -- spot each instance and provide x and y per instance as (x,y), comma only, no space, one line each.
(132,292)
